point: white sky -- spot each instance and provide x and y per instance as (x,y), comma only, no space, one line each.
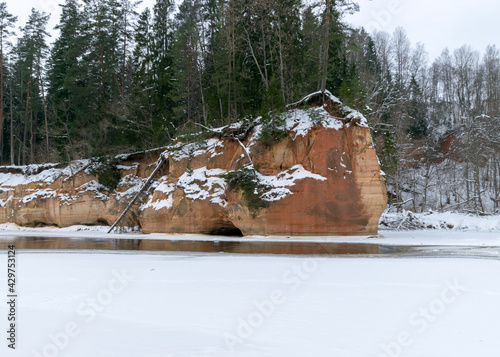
(22,9)
(435,23)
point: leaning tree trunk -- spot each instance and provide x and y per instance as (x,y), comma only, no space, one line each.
(1,97)
(327,48)
(44,108)
(12,154)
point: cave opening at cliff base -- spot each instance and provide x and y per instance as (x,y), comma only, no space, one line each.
(226,228)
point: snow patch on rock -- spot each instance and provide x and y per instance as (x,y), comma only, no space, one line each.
(95,188)
(132,185)
(202,184)
(182,151)
(276,187)
(39,194)
(301,121)
(14,179)
(167,189)
(198,184)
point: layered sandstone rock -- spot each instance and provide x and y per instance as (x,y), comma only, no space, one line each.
(39,195)
(322,178)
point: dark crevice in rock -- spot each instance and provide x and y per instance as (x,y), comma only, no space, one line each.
(227,228)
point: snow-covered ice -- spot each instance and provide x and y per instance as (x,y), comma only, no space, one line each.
(197,304)
(172,305)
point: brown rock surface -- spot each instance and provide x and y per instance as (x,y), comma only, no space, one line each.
(321,179)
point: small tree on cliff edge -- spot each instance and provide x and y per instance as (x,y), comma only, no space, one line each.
(332,60)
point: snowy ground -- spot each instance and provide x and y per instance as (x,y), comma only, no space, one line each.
(170,305)
(439,221)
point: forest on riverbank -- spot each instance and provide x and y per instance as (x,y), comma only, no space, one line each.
(115,80)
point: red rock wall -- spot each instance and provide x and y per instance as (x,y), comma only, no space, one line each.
(341,190)
(348,202)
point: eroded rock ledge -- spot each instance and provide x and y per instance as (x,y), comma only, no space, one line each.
(321,177)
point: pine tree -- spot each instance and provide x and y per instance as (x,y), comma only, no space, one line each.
(32,51)
(288,47)
(128,17)
(12,107)
(330,44)
(7,22)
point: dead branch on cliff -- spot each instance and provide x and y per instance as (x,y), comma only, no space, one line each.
(235,134)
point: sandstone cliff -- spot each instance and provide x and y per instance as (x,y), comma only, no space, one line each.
(313,171)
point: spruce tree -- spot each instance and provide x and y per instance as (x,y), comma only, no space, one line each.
(338,70)
(69,90)
(218,60)
(142,86)
(311,51)
(163,73)
(188,90)
(109,32)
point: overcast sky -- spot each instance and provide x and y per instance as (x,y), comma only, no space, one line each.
(435,23)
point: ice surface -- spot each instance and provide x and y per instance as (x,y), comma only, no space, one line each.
(173,305)
(484,232)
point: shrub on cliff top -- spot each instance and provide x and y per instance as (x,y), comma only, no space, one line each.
(273,129)
(245,179)
(106,172)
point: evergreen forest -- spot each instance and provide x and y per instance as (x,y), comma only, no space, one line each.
(117,80)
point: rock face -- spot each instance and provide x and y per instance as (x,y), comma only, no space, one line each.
(321,177)
(41,195)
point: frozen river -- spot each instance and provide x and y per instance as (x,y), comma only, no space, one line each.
(83,297)
(235,245)
(209,244)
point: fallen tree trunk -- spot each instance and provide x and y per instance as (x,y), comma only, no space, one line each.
(159,164)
